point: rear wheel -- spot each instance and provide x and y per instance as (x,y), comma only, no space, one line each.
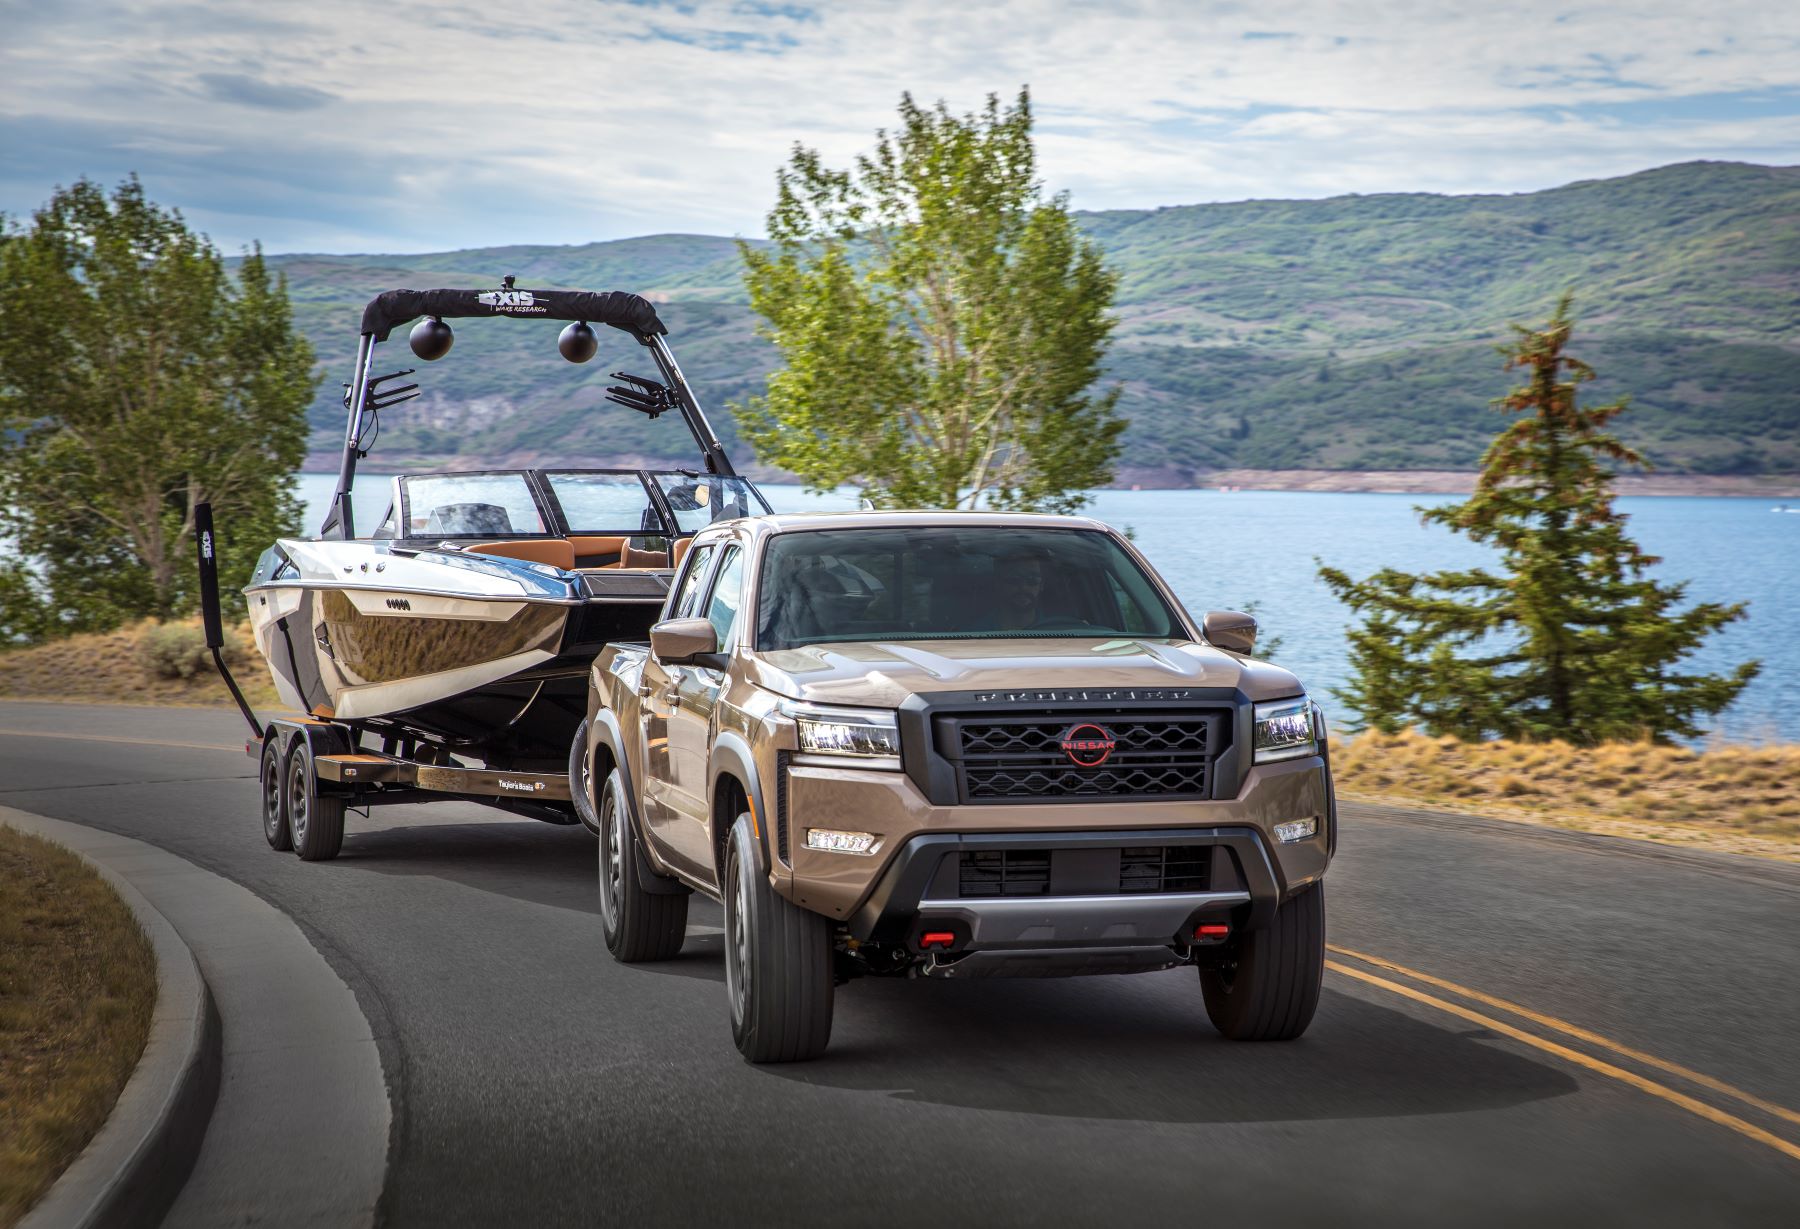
(581,779)
(638,925)
(316,820)
(778,963)
(274,801)
(1271,989)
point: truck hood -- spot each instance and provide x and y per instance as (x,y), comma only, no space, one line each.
(882,674)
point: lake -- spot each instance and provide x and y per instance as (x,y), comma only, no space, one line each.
(1229,549)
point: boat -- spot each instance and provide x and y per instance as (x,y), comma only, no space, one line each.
(459,629)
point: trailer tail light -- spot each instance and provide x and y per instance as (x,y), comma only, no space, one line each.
(936,938)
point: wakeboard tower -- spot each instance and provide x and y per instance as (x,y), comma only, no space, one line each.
(444,653)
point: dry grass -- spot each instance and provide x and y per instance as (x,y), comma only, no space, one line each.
(109,668)
(1740,798)
(77,990)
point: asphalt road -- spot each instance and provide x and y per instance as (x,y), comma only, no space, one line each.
(1603,1033)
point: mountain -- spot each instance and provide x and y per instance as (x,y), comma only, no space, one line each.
(1357,332)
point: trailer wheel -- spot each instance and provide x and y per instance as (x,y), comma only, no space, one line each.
(581,779)
(274,802)
(316,820)
(638,925)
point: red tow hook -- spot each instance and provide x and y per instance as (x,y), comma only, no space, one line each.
(1212,932)
(936,938)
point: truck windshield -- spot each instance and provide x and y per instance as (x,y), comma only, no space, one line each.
(975,582)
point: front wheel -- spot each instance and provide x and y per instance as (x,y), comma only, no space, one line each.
(1271,989)
(638,925)
(778,963)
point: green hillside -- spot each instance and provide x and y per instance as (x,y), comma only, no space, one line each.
(1350,333)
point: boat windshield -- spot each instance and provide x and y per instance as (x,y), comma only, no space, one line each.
(470,505)
(697,500)
(603,503)
(961,583)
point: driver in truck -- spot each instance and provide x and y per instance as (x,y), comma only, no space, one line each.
(1021,579)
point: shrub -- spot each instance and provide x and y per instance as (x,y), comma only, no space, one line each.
(178,651)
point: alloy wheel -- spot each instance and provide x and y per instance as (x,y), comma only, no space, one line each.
(612,861)
(737,945)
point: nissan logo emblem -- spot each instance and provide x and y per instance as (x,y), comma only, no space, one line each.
(1088,745)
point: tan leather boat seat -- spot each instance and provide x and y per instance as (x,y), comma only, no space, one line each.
(557,552)
(633,558)
(597,550)
(680,551)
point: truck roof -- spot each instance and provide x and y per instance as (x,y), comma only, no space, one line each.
(783,522)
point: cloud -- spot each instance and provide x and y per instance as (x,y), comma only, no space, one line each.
(252,92)
(416,125)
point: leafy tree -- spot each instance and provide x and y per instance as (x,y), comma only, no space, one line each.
(138,378)
(1570,639)
(941,322)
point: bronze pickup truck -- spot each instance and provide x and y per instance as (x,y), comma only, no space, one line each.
(956,745)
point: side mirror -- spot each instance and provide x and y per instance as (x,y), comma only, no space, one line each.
(680,642)
(1231,630)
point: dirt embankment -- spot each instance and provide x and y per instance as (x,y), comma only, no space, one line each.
(1741,799)
(113,668)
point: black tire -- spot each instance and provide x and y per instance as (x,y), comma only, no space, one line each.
(1271,989)
(639,926)
(581,780)
(315,820)
(274,796)
(778,963)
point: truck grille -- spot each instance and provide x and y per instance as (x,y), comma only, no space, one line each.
(1064,755)
(1005,872)
(1083,872)
(1164,868)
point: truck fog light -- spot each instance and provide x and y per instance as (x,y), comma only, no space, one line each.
(832,841)
(1296,830)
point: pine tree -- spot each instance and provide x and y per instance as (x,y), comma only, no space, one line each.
(1570,638)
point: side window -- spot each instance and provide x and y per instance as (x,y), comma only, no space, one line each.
(727,596)
(687,594)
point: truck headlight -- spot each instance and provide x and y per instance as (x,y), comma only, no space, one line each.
(865,733)
(1284,730)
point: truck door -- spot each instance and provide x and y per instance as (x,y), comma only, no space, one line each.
(693,720)
(658,688)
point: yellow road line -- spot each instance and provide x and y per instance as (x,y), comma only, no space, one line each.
(1582,1034)
(115,738)
(1699,1108)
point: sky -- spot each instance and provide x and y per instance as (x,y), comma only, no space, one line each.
(395,126)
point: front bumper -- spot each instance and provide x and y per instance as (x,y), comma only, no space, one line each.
(917,839)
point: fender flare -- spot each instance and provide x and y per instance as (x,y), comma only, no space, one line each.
(731,756)
(604,729)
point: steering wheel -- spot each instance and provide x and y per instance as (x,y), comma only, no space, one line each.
(1064,624)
